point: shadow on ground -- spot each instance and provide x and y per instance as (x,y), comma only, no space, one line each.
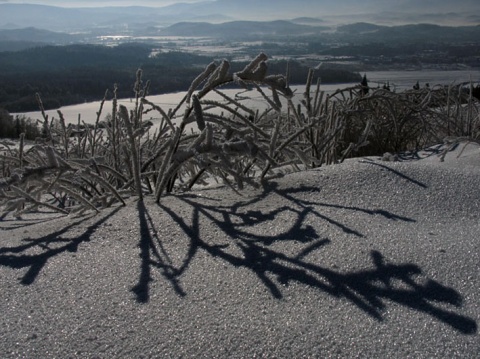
(50,245)
(369,289)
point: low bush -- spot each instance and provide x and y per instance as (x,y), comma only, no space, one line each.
(86,168)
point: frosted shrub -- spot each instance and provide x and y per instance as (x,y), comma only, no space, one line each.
(86,168)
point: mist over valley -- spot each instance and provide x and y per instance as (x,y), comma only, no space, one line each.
(73,54)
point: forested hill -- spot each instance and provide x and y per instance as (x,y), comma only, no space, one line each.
(60,58)
(77,73)
(65,75)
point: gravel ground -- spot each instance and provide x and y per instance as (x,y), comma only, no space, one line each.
(367,259)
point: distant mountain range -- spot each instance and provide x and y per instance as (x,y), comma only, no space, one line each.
(241,29)
(358,32)
(332,11)
(18,39)
(287,9)
(26,25)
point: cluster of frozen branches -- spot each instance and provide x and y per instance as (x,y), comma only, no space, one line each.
(86,168)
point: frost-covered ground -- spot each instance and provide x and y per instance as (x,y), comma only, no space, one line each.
(368,259)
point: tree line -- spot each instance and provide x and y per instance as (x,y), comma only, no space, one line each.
(11,127)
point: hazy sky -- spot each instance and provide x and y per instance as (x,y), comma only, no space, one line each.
(91,3)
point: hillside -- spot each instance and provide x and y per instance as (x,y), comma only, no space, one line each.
(34,34)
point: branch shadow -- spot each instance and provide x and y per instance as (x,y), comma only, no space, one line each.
(51,244)
(153,254)
(398,173)
(368,289)
(16,223)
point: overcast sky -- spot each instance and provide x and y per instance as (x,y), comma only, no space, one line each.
(91,3)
